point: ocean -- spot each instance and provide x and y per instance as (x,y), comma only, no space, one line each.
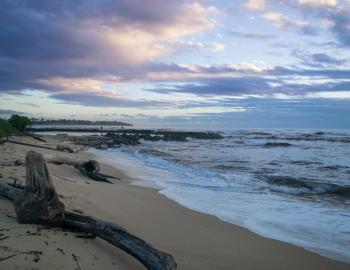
(290,185)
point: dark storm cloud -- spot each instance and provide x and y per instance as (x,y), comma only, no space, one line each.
(44,39)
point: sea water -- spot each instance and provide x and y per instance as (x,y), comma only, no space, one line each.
(290,185)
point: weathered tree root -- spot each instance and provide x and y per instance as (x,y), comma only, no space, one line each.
(150,257)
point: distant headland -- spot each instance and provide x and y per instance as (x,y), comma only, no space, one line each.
(74,122)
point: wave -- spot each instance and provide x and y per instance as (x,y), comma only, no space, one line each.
(230,167)
(304,162)
(277,144)
(315,136)
(310,186)
(333,167)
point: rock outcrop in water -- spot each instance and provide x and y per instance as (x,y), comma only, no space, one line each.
(113,139)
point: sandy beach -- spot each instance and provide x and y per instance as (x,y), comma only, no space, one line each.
(196,240)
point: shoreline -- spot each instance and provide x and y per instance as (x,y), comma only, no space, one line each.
(196,240)
(163,191)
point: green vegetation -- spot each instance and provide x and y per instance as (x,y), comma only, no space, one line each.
(15,123)
(5,128)
(20,123)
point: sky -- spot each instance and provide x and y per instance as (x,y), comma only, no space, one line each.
(215,64)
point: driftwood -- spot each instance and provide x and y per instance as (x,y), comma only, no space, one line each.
(39,203)
(36,137)
(9,192)
(117,236)
(65,148)
(89,168)
(150,257)
(16,185)
(32,145)
(59,147)
(39,189)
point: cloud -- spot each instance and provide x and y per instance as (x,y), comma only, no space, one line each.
(216,47)
(318,3)
(224,86)
(252,35)
(264,82)
(320,60)
(105,100)
(29,104)
(256,4)
(75,50)
(9,112)
(340,25)
(334,15)
(282,21)
(44,45)
(326,59)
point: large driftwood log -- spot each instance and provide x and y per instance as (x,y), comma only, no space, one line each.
(117,236)
(34,136)
(39,203)
(150,257)
(91,165)
(32,145)
(61,148)
(90,168)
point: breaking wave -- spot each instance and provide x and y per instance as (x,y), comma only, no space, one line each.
(310,186)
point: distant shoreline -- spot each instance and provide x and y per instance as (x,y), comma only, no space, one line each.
(68,122)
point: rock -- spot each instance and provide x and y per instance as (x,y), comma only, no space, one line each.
(133,137)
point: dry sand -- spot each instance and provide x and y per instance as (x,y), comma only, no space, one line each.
(197,241)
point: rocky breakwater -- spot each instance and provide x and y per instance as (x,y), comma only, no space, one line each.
(114,139)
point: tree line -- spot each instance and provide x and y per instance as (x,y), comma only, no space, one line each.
(78,122)
(16,123)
